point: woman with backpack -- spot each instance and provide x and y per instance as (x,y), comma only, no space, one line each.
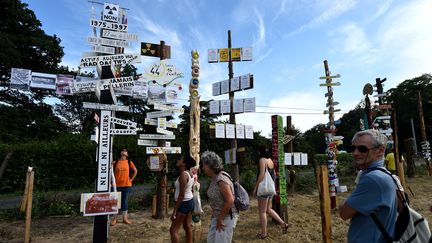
(221,198)
(264,201)
(183,197)
(123,182)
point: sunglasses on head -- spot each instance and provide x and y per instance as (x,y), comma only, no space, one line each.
(360,148)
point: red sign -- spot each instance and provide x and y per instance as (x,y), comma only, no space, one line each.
(384,106)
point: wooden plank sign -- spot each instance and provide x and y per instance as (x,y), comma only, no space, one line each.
(161,150)
(123,131)
(108,25)
(147,142)
(157,136)
(98,106)
(123,122)
(108,60)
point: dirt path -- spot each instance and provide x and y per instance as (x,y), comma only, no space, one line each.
(304,215)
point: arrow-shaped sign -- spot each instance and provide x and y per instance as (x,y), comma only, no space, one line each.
(157,136)
(123,122)
(123,131)
(330,77)
(154,122)
(331,84)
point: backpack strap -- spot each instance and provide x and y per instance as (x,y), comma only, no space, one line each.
(381,228)
(227,175)
(403,200)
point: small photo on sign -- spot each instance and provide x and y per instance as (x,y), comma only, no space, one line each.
(20,78)
(100,203)
(64,84)
(43,81)
(156,94)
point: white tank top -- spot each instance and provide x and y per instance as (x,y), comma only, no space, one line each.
(188,191)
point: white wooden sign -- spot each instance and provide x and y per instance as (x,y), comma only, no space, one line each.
(103,49)
(107,42)
(157,136)
(163,131)
(119,35)
(104,159)
(154,122)
(111,12)
(123,122)
(108,60)
(147,142)
(161,150)
(157,114)
(123,131)
(116,83)
(98,106)
(108,25)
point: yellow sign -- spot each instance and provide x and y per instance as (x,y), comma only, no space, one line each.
(236,54)
(223,55)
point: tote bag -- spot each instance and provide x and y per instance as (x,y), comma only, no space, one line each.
(266,188)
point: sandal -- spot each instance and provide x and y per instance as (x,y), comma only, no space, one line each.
(285,228)
(113,222)
(261,237)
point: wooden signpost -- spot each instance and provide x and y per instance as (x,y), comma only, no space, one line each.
(229,55)
(330,133)
(426,152)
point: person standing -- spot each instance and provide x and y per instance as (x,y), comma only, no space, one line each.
(221,198)
(123,182)
(374,193)
(264,202)
(184,204)
(390,162)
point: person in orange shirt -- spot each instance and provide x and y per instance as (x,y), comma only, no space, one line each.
(123,182)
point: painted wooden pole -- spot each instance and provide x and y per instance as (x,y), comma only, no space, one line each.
(28,201)
(278,157)
(399,164)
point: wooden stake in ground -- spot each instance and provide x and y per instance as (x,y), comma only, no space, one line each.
(399,163)
(426,152)
(323,189)
(26,203)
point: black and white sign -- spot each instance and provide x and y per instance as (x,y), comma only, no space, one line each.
(99,106)
(111,12)
(157,136)
(108,42)
(123,131)
(104,159)
(108,25)
(43,81)
(122,122)
(20,78)
(108,60)
(119,35)
(103,49)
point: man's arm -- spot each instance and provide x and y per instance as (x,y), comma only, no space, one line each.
(346,211)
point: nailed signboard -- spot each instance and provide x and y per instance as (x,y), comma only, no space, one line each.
(123,122)
(116,83)
(111,12)
(103,49)
(108,42)
(156,114)
(108,25)
(154,122)
(108,60)
(153,50)
(161,150)
(99,106)
(123,131)
(147,142)
(119,35)
(157,136)
(237,54)
(104,160)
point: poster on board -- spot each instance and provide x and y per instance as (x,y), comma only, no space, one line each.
(20,78)
(43,81)
(64,84)
(220,130)
(102,203)
(230,130)
(240,131)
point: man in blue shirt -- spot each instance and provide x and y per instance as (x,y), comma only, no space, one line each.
(375,191)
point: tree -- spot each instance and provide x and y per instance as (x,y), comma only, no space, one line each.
(24,44)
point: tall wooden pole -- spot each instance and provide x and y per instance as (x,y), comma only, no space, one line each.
(322,180)
(234,167)
(399,164)
(289,149)
(161,206)
(424,144)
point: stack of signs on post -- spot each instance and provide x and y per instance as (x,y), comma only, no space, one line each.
(160,119)
(233,131)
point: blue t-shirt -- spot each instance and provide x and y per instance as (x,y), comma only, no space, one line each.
(375,192)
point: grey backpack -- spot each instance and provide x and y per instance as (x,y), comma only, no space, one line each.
(241,196)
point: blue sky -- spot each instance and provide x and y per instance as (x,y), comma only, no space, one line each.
(362,40)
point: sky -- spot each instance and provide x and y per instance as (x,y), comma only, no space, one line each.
(361,40)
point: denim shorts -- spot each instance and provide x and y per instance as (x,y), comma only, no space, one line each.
(186,207)
(125,191)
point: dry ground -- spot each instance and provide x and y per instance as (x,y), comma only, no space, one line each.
(304,215)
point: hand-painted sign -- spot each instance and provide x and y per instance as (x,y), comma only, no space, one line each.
(123,131)
(111,12)
(108,42)
(157,136)
(164,131)
(104,159)
(119,35)
(161,150)
(154,122)
(108,25)
(116,83)
(20,78)
(123,122)
(153,50)
(43,80)
(108,60)
(99,106)
(156,114)
(103,49)
(147,142)
(330,77)
(331,84)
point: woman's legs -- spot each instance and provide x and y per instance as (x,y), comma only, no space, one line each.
(175,226)
(276,217)
(262,207)
(187,226)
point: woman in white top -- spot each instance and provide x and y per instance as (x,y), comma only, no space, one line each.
(182,212)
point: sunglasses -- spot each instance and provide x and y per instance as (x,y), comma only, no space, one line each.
(360,148)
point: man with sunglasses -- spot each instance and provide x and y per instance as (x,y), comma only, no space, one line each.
(374,193)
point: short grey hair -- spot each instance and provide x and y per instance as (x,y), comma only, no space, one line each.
(212,160)
(378,139)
